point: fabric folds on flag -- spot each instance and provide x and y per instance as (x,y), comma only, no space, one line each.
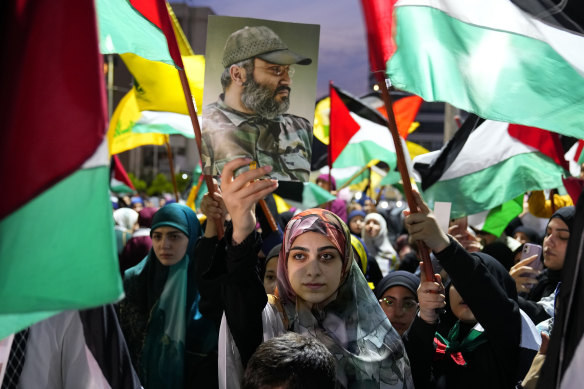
(138,27)
(358,134)
(379,22)
(492,58)
(57,248)
(482,167)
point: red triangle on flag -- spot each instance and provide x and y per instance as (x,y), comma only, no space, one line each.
(342,126)
(548,143)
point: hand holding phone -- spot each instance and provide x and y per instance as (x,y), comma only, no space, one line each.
(529,250)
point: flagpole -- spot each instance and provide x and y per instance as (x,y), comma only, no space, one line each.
(348,182)
(193,114)
(329,156)
(403,170)
(171,165)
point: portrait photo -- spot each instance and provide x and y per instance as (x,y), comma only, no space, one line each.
(259,95)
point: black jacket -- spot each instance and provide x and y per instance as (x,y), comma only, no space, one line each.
(490,293)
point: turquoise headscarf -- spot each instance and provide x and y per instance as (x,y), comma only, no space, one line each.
(164,301)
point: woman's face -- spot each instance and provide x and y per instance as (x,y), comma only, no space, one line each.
(270,276)
(459,307)
(555,243)
(356,224)
(400,306)
(372,228)
(169,244)
(314,267)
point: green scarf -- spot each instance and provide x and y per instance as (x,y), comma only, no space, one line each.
(454,347)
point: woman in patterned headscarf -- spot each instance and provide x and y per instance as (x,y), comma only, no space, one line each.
(321,292)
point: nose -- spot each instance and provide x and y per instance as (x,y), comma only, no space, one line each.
(313,267)
(285,79)
(165,242)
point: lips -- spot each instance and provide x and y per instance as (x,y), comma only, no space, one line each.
(313,286)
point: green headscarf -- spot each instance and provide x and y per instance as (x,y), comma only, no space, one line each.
(164,300)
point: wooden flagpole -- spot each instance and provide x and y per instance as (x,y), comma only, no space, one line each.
(403,170)
(193,114)
(171,164)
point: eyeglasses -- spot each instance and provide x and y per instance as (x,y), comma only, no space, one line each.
(279,70)
(406,305)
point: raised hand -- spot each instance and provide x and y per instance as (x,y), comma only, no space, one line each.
(524,275)
(431,296)
(213,207)
(423,226)
(241,193)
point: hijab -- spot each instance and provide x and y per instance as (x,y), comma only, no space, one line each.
(125,218)
(350,323)
(164,303)
(379,246)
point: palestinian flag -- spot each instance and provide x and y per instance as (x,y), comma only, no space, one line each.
(507,60)
(120,182)
(358,135)
(486,164)
(57,248)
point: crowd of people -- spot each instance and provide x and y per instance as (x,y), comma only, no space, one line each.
(341,299)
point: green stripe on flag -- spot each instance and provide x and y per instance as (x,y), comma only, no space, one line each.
(359,154)
(499,183)
(499,218)
(58,252)
(122,29)
(495,74)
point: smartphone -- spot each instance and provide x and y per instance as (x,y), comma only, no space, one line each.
(529,250)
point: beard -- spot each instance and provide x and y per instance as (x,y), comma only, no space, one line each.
(262,101)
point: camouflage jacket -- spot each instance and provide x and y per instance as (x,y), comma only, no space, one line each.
(284,143)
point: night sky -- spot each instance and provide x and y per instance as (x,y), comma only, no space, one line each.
(343,45)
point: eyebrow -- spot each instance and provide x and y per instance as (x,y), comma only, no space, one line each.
(405,298)
(323,248)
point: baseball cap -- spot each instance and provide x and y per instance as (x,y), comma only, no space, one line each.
(261,42)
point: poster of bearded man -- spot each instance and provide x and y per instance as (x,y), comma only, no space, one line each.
(259,94)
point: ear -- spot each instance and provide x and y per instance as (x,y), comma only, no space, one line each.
(238,74)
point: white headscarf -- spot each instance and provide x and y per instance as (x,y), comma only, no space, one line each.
(379,246)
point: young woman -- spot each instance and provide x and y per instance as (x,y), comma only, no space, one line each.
(321,292)
(171,344)
(374,235)
(397,295)
(489,346)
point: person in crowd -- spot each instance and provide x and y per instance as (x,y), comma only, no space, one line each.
(337,206)
(492,343)
(369,267)
(355,222)
(321,292)
(270,269)
(249,118)
(354,206)
(171,344)
(70,350)
(368,204)
(525,234)
(125,221)
(538,286)
(397,295)
(137,203)
(541,207)
(501,252)
(374,234)
(290,361)
(138,246)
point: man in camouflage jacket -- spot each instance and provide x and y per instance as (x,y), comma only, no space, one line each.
(249,119)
